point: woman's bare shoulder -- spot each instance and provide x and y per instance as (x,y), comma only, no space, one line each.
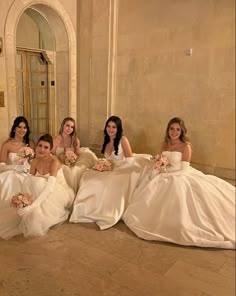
(57,139)
(124,139)
(55,165)
(126,146)
(7,143)
(164,146)
(187,146)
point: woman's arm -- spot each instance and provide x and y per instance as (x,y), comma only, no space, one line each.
(187,153)
(77,146)
(163,148)
(33,167)
(56,143)
(126,147)
(32,145)
(4,152)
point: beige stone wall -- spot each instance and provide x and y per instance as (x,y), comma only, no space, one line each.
(154,78)
(93,35)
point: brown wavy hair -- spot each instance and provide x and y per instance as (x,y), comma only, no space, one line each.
(183,136)
(46,138)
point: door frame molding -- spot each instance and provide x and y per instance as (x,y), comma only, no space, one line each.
(55,12)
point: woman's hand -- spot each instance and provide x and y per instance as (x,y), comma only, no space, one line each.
(62,157)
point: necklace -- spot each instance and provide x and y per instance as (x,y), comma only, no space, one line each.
(66,141)
(17,143)
(175,146)
(174,143)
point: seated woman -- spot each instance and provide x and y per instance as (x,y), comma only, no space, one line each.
(179,204)
(12,165)
(103,196)
(52,197)
(65,142)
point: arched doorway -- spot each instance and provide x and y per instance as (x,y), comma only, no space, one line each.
(62,88)
(35,67)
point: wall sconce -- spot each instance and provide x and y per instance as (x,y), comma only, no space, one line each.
(189,51)
(1,45)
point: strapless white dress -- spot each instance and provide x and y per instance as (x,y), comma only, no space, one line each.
(54,210)
(104,196)
(86,159)
(185,207)
(11,179)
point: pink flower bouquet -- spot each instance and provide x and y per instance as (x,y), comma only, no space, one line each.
(70,158)
(21,200)
(25,154)
(161,164)
(102,165)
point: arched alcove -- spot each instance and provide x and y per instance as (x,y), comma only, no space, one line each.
(30,21)
(54,14)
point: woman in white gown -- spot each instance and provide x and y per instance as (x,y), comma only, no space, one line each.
(103,196)
(183,205)
(67,141)
(12,172)
(52,197)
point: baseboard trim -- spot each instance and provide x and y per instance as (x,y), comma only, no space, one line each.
(223,173)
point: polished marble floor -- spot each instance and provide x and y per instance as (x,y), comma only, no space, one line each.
(81,260)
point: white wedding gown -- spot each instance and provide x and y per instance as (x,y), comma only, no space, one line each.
(10,178)
(86,159)
(185,207)
(104,196)
(53,210)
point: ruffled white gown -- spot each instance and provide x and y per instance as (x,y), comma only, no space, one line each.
(53,210)
(86,159)
(11,179)
(103,196)
(185,207)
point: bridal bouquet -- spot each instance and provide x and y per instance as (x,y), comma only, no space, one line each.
(102,165)
(25,154)
(161,163)
(70,158)
(21,200)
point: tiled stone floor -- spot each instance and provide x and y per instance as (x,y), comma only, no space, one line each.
(81,260)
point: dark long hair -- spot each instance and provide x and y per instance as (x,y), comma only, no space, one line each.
(16,123)
(119,133)
(46,138)
(73,135)
(183,136)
